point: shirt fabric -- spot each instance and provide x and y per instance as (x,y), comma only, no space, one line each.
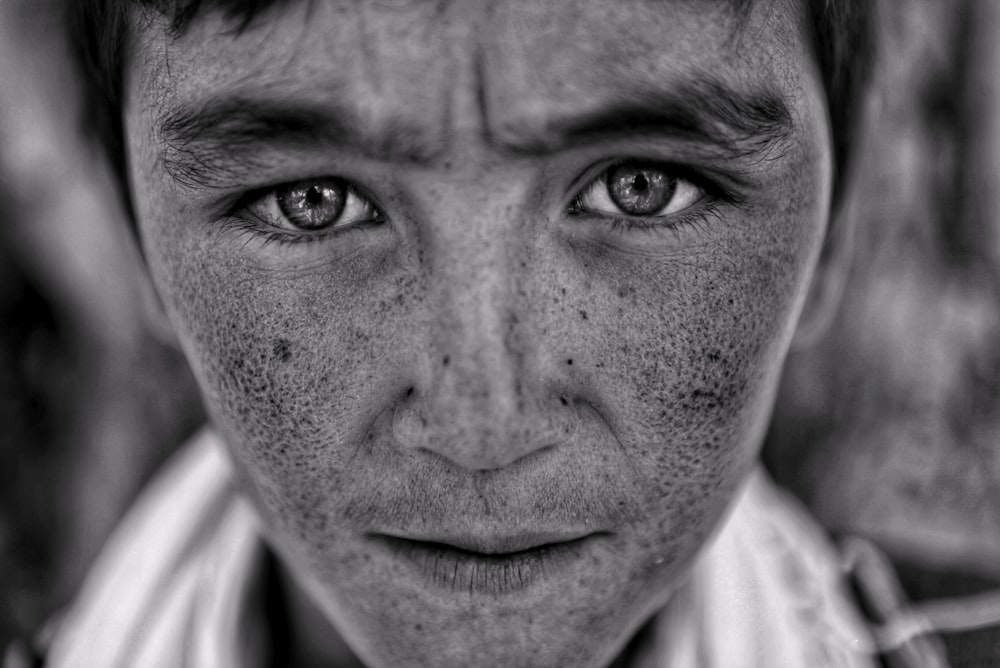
(177,583)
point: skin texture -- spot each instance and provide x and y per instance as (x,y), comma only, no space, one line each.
(485,362)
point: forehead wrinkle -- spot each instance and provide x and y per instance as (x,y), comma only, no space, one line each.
(468,103)
(366,16)
(661,56)
(187,157)
(268,103)
(160,36)
(740,17)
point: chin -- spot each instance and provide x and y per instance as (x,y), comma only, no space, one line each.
(582,608)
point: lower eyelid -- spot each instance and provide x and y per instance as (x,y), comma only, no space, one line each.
(690,225)
(697,218)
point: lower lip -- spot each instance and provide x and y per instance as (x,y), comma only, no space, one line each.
(453,569)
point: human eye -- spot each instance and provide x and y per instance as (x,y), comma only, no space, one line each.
(639,190)
(303,210)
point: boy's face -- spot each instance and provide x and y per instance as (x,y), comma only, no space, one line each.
(488,299)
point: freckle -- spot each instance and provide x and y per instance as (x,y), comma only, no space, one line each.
(583,315)
(563,401)
(409,391)
(446,361)
(282,350)
(569,362)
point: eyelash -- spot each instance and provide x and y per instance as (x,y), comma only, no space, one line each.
(240,218)
(707,208)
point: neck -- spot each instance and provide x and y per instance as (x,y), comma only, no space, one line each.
(302,635)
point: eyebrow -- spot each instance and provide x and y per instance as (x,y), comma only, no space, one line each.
(218,140)
(703,111)
(200,141)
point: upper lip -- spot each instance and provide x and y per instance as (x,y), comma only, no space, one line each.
(493,544)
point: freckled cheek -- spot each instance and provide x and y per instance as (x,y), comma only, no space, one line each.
(289,361)
(682,356)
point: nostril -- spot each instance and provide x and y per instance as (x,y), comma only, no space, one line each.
(409,391)
(564,401)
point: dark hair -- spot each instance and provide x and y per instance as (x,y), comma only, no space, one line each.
(99,31)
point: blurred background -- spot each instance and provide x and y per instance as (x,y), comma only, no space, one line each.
(888,426)
(93,396)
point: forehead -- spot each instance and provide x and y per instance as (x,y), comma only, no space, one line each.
(521,62)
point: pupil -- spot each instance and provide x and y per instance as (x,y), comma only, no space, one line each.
(315,205)
(640,189)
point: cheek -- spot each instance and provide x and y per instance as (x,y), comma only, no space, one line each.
(681,357)
(295,363)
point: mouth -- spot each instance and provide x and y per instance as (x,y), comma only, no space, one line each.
(494,566)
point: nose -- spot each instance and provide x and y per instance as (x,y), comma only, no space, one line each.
(480,397)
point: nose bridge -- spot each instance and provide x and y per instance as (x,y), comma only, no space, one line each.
(477,401)
(477,376)
(477,332)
